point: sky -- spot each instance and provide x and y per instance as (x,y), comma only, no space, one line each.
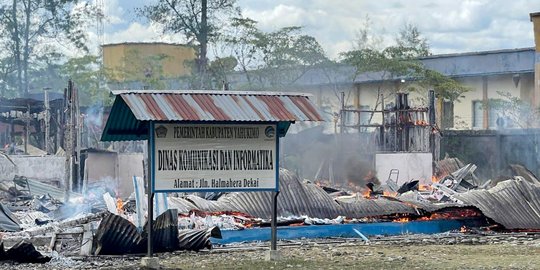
(450,26)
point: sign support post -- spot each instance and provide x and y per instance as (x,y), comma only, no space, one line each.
(273,246)
(150,261)
(274,253)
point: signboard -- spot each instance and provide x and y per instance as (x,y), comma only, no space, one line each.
(214,157)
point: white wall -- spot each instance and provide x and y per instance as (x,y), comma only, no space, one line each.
(411,166)
(46,169)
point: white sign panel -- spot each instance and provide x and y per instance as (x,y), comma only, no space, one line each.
(206,157)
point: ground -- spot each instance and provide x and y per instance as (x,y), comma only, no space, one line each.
(515,251)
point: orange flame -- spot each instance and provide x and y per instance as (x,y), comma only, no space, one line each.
(434,179)
(389,193)
(366,193)
(421,123)
(402,219)
(119,205)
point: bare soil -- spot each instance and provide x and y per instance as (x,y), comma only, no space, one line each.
(445,251)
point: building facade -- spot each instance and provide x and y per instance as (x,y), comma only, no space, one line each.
(501,88)
(142,65)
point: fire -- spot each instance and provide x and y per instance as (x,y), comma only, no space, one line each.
(366,193)
(424,187)
(389,193)
(421,123)
(119,205)
(434,179)
(402,219)
(463,229)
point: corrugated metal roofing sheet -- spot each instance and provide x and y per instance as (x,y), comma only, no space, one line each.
(220,106)
(116,235)
(133,109)
(295,199)
(515,204)
(361,207)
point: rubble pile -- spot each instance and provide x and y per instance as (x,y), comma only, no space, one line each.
(103,224)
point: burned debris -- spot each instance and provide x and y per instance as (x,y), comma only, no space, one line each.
(192,221)
(106,216)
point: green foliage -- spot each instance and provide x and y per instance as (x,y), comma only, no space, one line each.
(26,24)
(86,73)
(271,59)
(186,17)
(401,62)
(219,68)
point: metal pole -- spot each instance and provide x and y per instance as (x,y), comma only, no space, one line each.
(273,245)
(27,129)
(382,143)
(431,97)
(47,118)
(72,139)
(149,190)
(342,113)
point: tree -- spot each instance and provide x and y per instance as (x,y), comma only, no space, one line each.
(271,59)
(399,65)
(85,73)
(27,23)
(197,20)
(401,62)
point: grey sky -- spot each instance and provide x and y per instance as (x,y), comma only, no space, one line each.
(450,26)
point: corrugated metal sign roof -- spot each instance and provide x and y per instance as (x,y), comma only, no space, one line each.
(132,107)
(220,106)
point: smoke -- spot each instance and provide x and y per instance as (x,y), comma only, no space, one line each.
(339,160)
(94,116)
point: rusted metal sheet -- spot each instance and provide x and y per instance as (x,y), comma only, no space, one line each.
(447,166)
(220,106)
(515,204)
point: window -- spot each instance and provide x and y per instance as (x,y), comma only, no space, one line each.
(496,113)
(448,115)
(364,116)
(478,114)
(355,117)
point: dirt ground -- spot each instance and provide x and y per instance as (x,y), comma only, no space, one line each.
(355,256)
(405,252)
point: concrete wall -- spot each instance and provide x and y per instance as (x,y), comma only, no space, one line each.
(493,150)
(129,165)
(46,169)
(114,171)
(409,166)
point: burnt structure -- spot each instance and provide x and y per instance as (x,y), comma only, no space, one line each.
(30,119)
(403,128)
